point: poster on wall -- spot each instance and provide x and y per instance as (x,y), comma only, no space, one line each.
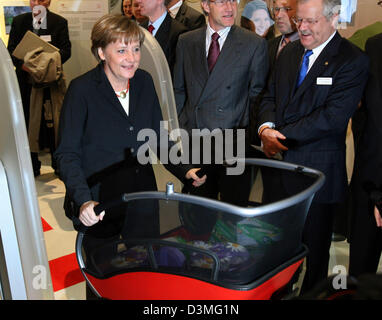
(10,12)
(348,9)
(81,16)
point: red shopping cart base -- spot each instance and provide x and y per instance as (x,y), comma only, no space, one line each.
(161,286)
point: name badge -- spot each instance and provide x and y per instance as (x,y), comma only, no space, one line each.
(47,38)
(326,81)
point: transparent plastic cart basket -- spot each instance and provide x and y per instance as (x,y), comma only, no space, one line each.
(168,245)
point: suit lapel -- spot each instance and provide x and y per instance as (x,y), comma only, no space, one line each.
(28,22)
(320,65)
(293,106)
(49,25)
(272,50)
(199,63)
(163,33)
(227,55)
(107,91)
(133,102)
(295,65)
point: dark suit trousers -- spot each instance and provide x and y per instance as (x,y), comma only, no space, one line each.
(317,233)
(233,189)
(366,237)
(317,237)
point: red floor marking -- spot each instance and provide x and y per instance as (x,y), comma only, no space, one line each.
(65,272)
(45,225)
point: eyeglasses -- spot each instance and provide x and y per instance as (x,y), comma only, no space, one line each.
(276,10)
(223,2)
(309,21)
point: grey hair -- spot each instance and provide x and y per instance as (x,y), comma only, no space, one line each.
(331,7)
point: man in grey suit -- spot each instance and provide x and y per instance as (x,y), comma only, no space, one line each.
(216,81)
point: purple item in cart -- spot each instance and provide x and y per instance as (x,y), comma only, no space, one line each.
(170,257)
(232,256)
(133,257)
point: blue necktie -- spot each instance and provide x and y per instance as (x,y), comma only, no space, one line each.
(304,67)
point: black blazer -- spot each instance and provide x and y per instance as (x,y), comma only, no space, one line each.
(314,117)
(167,37)
(57,27)
(190,18)
(98,141)
(365,236)
(273,45)
(368,159)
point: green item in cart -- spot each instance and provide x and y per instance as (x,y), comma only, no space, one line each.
(246,232)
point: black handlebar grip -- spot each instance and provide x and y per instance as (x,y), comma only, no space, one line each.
(109,204)
(200,173)
(99,208)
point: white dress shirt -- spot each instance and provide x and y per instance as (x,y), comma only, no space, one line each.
(223,33)
(157,23)
(36,24)
(125,101)
(316,51)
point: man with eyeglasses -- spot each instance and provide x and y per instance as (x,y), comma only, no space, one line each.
(282,11)
(304,116)
(220,71)
(52,28)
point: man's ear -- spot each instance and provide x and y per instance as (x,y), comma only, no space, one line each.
(335,19)
(205,6)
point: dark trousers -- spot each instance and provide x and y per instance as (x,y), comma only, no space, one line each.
(317,232)
(230,188)
(233,189)
(366,237)
(317,236)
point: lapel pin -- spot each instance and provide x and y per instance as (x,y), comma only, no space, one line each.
(326,63)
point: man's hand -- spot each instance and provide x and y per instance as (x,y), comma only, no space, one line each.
(87,214)
(197,181)
(271,144)
(378,218)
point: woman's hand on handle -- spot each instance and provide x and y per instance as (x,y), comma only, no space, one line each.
(87,214)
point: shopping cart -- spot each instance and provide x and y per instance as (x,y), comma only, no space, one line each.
(204,249)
